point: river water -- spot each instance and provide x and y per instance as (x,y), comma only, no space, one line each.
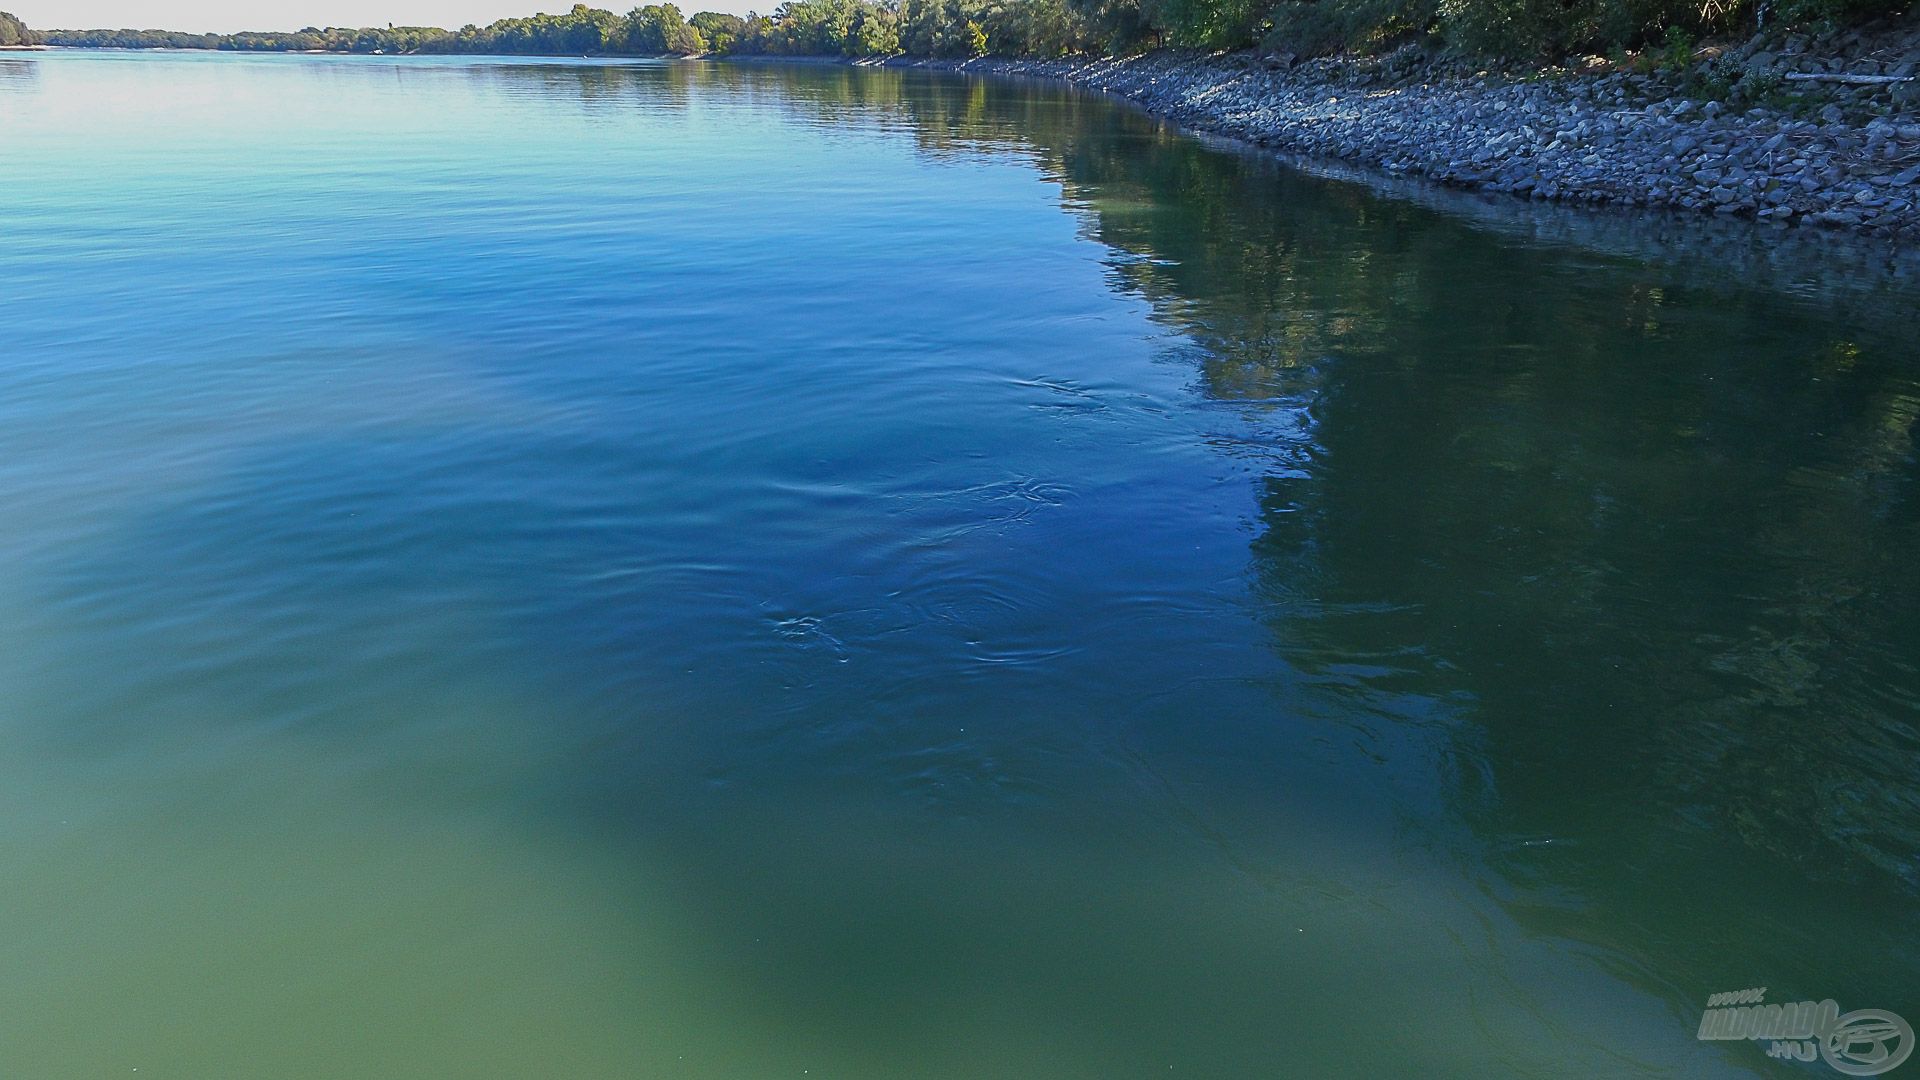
(556,568)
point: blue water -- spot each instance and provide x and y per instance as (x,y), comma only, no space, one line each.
(548,568)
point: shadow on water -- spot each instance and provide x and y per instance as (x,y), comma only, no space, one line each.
(1580,560)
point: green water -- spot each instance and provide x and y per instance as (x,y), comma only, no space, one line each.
(561,569)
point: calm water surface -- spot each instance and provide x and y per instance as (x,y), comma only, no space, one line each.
(549,569)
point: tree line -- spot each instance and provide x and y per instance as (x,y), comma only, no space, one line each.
(1518,29)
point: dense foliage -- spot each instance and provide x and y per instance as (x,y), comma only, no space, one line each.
(962,28)
(14,33)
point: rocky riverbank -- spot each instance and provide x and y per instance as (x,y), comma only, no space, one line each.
(1781,132)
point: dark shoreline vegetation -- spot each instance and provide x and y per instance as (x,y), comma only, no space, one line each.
(1517,30)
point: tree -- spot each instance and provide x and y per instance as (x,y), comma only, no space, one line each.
(660,30)
(14,33)
(720,30)
(876,32)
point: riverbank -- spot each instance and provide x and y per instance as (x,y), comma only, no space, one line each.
(1816,151)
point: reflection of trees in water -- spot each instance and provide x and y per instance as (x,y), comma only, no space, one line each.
(1662,537)
(19,75)
(1646,526)
(1670,569)
(599,87)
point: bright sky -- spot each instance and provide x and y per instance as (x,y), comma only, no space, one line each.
(224,16)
